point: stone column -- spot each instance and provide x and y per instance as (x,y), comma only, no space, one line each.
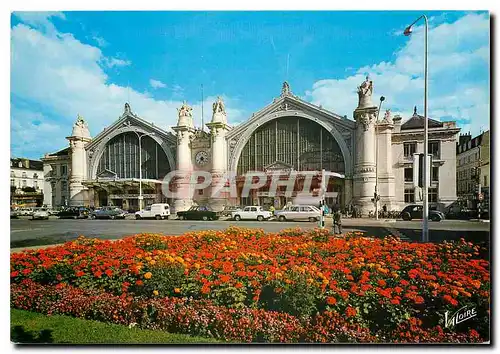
(184,130)
(364,168)
(218,128)
(386,177)
(78,193)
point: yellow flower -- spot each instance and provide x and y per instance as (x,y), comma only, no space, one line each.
(152,262)
(177,290)
(148,275)
(155,292)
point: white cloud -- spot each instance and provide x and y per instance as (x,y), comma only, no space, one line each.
(112,62)
(40,20)
(68,77)
(458,76)
(156,84)
(101,42)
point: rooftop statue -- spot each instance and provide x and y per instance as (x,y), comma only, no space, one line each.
(185,110)
(218,106)
(365,91)
(285,89)
(127,108)
(80,122)
(387,116)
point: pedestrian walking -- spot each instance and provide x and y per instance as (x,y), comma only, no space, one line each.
(337,220)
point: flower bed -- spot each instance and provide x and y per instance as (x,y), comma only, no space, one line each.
(286,287)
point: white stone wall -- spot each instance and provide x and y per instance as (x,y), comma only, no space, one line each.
(57,196)
(399,176)
(447,193)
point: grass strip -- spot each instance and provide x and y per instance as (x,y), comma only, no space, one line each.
(32,327)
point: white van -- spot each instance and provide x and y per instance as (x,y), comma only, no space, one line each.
(154,211)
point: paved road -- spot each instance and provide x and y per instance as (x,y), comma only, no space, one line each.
(26,233)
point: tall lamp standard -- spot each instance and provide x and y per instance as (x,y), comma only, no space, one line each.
(425,228)
(382,99)
(140,136)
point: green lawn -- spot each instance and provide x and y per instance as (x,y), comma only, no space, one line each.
(31,327)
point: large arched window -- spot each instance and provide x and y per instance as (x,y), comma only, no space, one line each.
(299,142)
(121,156)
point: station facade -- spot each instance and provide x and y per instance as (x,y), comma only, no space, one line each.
(287,136)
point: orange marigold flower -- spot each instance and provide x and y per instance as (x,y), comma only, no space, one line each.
(381,282)
(155,292)
(225,278)
(177,290)
(109,272)
(351,311)
(205,272)
(238,285)
(139,282)
(148,275)
(450,300)
(395,301)
(330,300)
(419,300)
(80,273)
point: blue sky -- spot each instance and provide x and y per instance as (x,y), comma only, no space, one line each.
(91,63)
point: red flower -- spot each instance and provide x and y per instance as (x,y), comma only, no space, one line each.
(109,272)
(80,273)
(26,271)
(139,282)
(381,282)
(450,300)
(205,272)
(395,301)
(224,278)
(331,300)
(98,274)
(350,311)
(419,300)
(14,274)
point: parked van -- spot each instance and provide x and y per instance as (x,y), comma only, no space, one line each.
(154,211)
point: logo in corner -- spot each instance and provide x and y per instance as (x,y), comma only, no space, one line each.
(461,315)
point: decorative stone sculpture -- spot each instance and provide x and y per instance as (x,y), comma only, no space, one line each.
(365,91)
(127,109)
(285,89)
(185,116)
(387,116)
(365,119)
(80,128)
(185,110)
(218,106)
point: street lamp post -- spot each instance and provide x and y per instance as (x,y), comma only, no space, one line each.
(425,228)
(140,136)
(376,197)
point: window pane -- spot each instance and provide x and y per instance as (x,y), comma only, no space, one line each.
(409,174)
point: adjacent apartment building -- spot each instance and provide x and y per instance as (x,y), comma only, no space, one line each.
(473,170)
(26,182)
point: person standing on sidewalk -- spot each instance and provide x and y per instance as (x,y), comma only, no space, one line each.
(337,220)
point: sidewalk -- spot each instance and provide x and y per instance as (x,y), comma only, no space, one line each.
(20,249)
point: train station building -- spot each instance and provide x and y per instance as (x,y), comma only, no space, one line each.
(287,136)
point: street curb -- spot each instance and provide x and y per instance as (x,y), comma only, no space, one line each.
(34,248)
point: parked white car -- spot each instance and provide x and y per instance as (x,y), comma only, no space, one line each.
(26,211)
(298,212)
(155,211)
(251,213)
(41,213)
